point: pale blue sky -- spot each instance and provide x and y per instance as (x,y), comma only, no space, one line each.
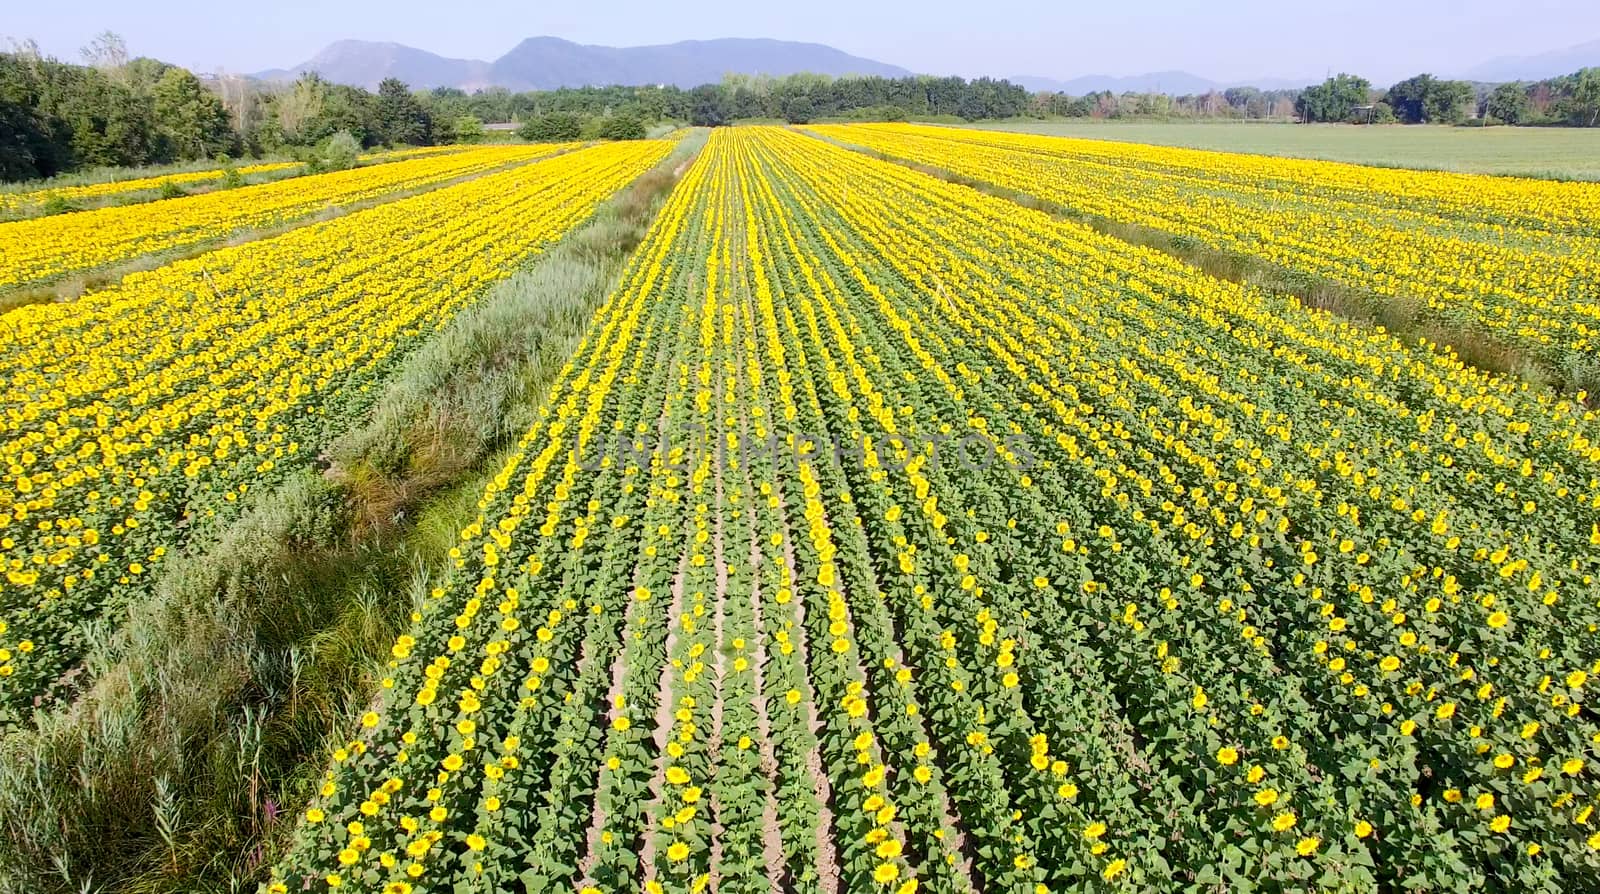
(1221,39)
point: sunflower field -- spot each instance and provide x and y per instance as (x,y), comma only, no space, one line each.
(1518,259)
(138,417)
(22,202)
(884,535)
(25,201)
(44,249)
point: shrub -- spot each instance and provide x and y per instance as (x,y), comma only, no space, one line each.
(556,127)
(873,113)
(1582,373)
(336,153)
(468,129)
(621,127)
(798,109)
(55,203)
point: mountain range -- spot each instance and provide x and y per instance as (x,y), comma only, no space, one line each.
(546,63)
(1179,83)
(1176,83)
(1543,65)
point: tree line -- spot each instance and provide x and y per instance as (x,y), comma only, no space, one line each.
(796,99)
(1234,102)
(801,98)
(117,111)
(114,111)
(1572,100)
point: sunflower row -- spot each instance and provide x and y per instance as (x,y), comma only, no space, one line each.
(833,647)
(1407,652)
(47,248)
(648,727)
(1516,259)
(405,152)
(20,203)
(885,536)
(138,418)
(410,801)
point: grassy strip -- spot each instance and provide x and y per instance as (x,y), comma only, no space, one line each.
(1538,153)
(1402,316)
(73,286)
(214,709)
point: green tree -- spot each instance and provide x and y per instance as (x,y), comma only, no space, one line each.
(108,53)
(1509,104)
(798,108)
(298,110)
(349,109)
(142,74)
(468,129)
(1333,100)
(336,153)
(621,127)
(24,142)
(1426,99)
(190,117)
(399,117)
(556,127)
(110,125)
(708,106)
(1247,100)
(56,117)
(445,104)
(32,141)
(1447,102)
(1406,98)
(1586,97)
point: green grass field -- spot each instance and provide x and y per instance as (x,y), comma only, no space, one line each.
(1551,152)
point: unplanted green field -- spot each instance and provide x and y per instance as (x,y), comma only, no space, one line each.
(1561,153)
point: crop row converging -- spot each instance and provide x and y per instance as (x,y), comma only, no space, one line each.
(1276,601)
(45,249)
(136,418)
(1513,259)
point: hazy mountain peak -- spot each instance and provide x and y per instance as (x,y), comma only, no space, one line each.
(1539,66)
(544,62)
(1175,83)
